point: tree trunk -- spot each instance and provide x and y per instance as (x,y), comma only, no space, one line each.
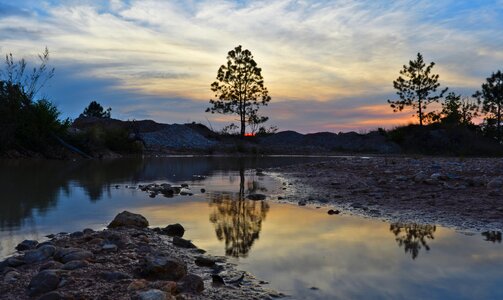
(498,125)
(243,127)
(420,114)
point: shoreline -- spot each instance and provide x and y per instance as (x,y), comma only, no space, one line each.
(461,194)
(127,260)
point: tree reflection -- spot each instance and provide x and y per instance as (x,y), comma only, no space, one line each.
(413,236)
(492,236)
(237,220)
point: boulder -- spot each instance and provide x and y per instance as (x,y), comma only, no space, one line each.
(26,245)
(161,267)
(45,281)
(40,254)
(65,255)
(202,261)
(178,241)
(190,284)
(128,219)
(174,230)
(75,264)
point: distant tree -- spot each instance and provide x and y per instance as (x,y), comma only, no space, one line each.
(254,121)
(94,109)
(416,88)
(239,88)
(491,97)
(458,111)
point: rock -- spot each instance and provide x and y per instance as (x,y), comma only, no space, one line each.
(76,234)
(184,185)
(185,192)
(44,243)
(109,248)
(202,261)
(190,284)
(127,219)
(87,231)
(217,280)
(302,203)
(333,212)
(13,262)
(420,177)
(65,255)
(174,230)
(11,277)
(203,191)
(114,276)
(161,267)
(137,284)
(256,197)
(45,281)
(495,183)
(178,241)
(40,254)
(166,286)
(152,294)
(26,245)
(51,265)
(75,264)
(54,295)
(438,176)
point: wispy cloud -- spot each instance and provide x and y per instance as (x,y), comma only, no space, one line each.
(310,51)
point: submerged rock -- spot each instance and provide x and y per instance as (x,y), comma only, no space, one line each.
(128,219)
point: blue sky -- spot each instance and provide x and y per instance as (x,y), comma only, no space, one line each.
(329,65)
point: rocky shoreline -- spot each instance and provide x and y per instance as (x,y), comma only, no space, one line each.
(128,260)
(463,194)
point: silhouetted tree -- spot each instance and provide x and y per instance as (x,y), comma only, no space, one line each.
(94,109)
(239,88)
(416,88)
(458,111)
(412,236)
(491,97)
(27,123)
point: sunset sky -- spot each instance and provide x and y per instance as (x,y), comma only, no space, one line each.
(329,65)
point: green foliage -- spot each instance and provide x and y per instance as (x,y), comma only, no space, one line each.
(99,137)
(239,88)
(457,111)
(27,124)
(416,88)
(94,109)
(491,97)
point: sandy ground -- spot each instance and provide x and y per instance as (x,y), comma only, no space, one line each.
(464,194)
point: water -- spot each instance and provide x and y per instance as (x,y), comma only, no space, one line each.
(301,251)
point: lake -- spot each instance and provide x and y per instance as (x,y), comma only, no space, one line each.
(300,251)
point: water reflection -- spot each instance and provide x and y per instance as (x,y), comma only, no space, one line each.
(237,220)
(492,236)
(413,237)
(37,186)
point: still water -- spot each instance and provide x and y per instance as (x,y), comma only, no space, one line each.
(300,251)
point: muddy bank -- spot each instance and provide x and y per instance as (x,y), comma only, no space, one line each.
(465,194)
(126,261)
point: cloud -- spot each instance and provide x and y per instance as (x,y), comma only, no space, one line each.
(310,51)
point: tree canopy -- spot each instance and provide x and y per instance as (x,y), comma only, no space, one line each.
(240,89)
(491,97)
(417,87)
(94,109)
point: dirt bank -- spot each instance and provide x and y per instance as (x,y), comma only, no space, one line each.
(465,194)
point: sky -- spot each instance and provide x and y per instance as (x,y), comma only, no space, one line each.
(328,65)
